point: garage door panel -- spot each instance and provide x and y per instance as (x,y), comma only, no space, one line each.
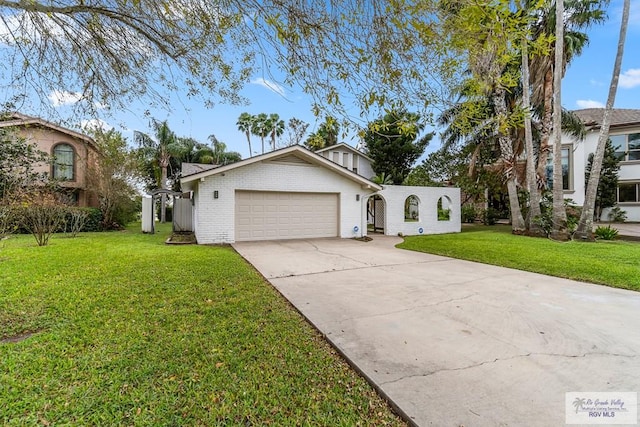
(279,215)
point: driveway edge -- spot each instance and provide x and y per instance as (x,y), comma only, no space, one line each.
(401,413)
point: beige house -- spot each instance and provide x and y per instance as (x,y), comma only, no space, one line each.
(71,153)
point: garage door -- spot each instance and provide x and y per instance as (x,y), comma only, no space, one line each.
(266,215)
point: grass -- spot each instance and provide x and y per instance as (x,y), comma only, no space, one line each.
(612,263)
(129,331)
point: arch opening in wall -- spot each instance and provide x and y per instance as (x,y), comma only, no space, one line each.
(412,209)
(444,208)
(376,213)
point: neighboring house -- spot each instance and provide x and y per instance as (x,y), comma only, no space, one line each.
(350,158)
(294,193)
(625,136)
(71,152)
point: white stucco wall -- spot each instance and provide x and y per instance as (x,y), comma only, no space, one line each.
(215,218)
(629,171)
(395,196)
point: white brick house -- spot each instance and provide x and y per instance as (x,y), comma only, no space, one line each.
(296,193)
(625,135)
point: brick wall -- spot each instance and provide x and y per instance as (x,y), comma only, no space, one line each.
(215,218)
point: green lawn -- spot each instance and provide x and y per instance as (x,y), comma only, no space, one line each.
(129,331)
(612,263)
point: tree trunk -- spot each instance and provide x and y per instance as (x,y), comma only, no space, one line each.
(163,196)
(559,218)
(249,142)
(585,226)
(534,196)
(545,131)
(508,157)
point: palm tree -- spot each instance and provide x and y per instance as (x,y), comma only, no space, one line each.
(219,153)
(277,128)
(585,226)
(546,76)
(245,124)
(159,148)
(260,127)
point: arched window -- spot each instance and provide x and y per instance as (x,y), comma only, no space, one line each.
(444,208)
(63,162)
(411,209)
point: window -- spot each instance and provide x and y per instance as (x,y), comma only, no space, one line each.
(628,192)
(567,167)
(355,163)
(411,209)
(345,160)
(627,146)
(63,162)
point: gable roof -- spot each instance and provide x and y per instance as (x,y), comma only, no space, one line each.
(293,154)
(191,168)
(619,117)
(347,147)
(23,120)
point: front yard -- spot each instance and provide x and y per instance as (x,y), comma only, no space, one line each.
(612,263)
(120,329)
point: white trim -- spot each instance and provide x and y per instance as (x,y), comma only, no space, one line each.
(302,152)
(348,147)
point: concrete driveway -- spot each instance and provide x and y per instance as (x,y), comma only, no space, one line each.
(453,342)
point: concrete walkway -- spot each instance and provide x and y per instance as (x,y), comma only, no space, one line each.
(456,343)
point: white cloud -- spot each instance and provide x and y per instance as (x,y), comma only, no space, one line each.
(595,82)
(589,103)
(630,78)
(58,98)
(95,124)
(272,86)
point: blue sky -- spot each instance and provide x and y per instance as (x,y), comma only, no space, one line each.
(585,85)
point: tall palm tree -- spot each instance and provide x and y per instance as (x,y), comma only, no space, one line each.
(245,124)
(277,128)
(585,226)
(546,76)
(260,127)
(160,148)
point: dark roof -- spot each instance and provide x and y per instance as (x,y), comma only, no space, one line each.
(19,120)
(191,168)
(619,117)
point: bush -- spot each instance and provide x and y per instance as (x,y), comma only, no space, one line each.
(606,233)
(94,219)
(490,216)
(41,214)
(468,213)
(617,215)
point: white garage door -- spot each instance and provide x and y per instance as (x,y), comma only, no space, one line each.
(266,215)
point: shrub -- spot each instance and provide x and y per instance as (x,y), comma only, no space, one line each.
(617,215)
(606,233)
(444,214)
(7,221)
(490,216)
(41,214)
(94,219)
(468,213)
(74,222)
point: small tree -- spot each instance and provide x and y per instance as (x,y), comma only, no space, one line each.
(41,213)
(112,178)
(393,143)
(296,129)
(606,196)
